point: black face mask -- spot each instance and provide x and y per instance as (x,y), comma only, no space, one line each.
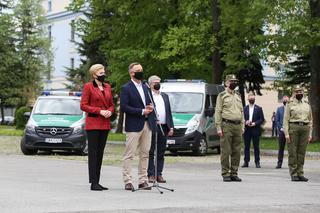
(101,78)
(156,87)
(232,85)
(138,75)
(284,103)
(299,96)
(251,101)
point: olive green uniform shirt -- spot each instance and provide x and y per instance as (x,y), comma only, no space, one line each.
(228,106)
(297,111)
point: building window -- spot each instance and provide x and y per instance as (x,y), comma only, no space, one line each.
(49,5)
(72,30)
(72,63)
(50,32)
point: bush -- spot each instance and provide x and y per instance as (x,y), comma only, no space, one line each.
(20,119)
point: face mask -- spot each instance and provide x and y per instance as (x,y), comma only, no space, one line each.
(251,101)
(138,75)
(101,78)
(284,103)
(299,96)
(156,87)
(232,85)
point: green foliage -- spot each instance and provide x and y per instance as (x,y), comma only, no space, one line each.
(19,117)
(32,44)
(10,78)
(24,51)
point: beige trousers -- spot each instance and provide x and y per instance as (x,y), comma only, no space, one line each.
(141,141)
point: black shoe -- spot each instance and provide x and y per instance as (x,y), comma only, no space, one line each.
(258,165)
(245,164)
(295,178)
(278,166)
(302,178)
(227,179)
(95,187)
(103,188)
(235,179)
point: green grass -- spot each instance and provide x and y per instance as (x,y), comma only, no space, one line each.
(272,144)
(116,137)
(12,131)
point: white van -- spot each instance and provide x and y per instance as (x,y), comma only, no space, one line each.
(192,104)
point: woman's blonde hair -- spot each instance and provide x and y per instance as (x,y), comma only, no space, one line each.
(94,68)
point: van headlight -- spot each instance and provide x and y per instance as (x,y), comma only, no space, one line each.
(31,128)
(193,124)
(77,129)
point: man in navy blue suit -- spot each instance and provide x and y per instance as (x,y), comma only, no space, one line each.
(254,118)
(135,102)
(165,124)
(282,138)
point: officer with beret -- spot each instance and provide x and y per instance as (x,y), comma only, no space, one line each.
(230,125)
(297,123)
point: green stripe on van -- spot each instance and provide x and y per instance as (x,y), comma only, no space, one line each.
(181,119)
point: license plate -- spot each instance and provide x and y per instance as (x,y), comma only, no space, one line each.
(171,142)
(53,140)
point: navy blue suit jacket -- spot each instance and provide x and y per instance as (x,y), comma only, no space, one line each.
(169,120)
(279,117)
(131,103)
(257,117)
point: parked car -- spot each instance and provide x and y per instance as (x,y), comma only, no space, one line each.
(8,120)
(55,123)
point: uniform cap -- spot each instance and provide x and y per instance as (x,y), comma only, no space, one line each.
(297,88)
(231,77)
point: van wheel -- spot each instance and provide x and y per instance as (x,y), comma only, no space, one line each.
(25,150)
(202,149)
(218,150)
(84,150)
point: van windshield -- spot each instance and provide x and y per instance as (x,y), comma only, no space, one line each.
(56,106)
(185,102)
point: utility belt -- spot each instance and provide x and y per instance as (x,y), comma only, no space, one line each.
(230,121)
(299,123)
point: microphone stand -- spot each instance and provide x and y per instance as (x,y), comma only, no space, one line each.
(155,158)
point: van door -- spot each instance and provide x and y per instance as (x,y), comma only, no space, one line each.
(210,128)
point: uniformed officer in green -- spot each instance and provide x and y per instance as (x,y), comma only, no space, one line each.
(229,123)
(297,123)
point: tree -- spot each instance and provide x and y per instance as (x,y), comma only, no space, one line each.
(294,36)
(9,78)
(32,44)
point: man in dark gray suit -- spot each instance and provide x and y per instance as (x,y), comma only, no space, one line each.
(162,105)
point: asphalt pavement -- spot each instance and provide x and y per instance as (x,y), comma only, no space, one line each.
(41,184)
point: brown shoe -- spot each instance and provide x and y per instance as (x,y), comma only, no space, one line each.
(160,179)
(129,186)
(144,186)
(151,179)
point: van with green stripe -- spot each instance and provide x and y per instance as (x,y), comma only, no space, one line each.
(55,123)
(192,104)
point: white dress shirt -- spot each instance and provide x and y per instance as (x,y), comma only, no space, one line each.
(140,90)
(251,108)
(160,107)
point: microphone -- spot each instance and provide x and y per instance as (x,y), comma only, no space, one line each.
(146,83)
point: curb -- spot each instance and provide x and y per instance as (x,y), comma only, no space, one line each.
(275,153)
